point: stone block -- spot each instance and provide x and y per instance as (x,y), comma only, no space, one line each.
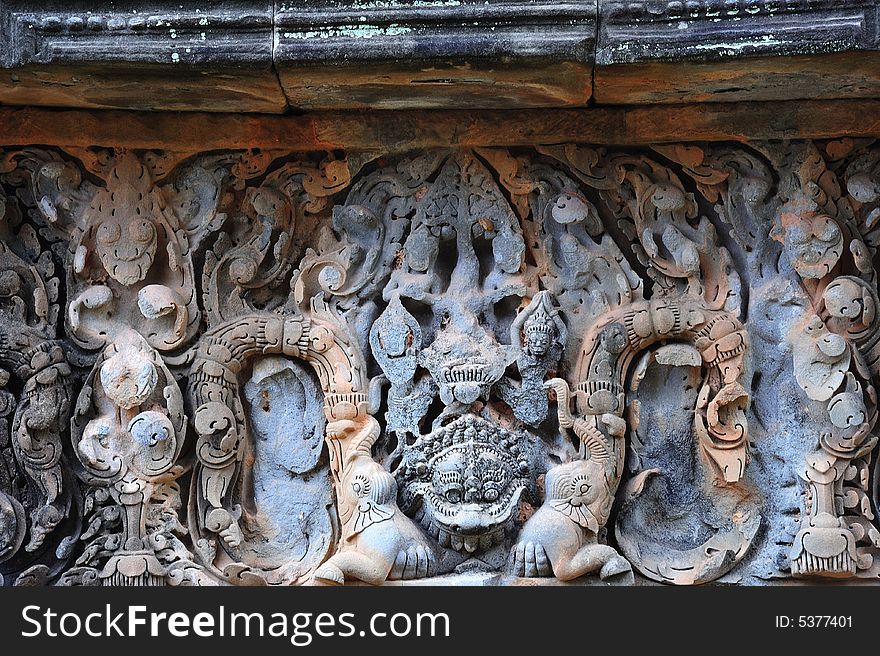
(440,54)
(674,51)
(159,55)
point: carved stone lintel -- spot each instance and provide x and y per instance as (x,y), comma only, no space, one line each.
(567,361)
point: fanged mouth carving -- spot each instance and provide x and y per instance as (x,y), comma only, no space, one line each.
(463,543)
(463,482)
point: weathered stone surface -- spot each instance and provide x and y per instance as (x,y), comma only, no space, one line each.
(254,56)
(152,56)
(401,131)
(288,500)
(438,54)
(262,57)
(462,365)
(728,51)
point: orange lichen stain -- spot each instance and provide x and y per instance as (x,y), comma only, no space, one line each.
(399,258)
(526,510)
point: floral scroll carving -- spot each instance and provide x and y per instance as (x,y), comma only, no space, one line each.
(826,228)
(37,491)
(564,362)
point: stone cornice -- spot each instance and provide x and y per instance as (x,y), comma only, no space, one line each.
(257,56)
(192,33)
(637,32)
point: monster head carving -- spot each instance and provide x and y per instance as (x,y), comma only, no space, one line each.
(122,217)
(464,364)
(466,341)
(464,482)
(813,241)
(134,423)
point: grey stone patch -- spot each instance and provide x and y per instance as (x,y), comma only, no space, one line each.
(293,521)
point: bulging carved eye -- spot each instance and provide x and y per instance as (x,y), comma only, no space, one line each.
(490,494)
(798,233)
(668,197)
(141,231)
(454,494)
(109,233)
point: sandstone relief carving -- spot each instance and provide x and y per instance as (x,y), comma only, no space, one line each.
(561,363)
(826,232)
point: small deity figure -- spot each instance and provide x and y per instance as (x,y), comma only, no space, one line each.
(538,334)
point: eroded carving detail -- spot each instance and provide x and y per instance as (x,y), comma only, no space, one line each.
(824,230)
(540,362)
(36,493)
